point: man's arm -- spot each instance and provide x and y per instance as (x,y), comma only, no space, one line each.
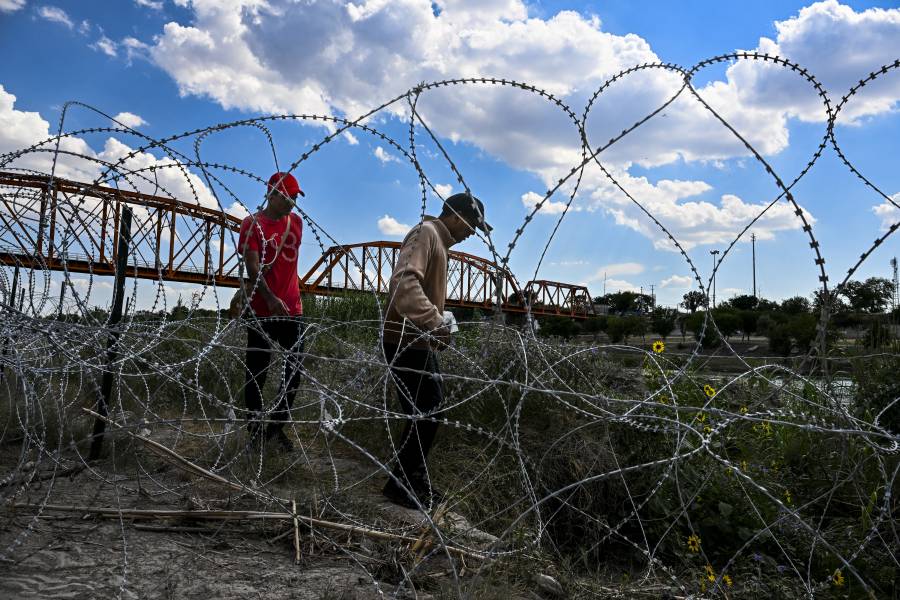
(275,304)
(409,296)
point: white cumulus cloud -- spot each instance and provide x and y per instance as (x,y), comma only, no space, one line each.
(691,222)
(888,212)
(677,281)
(388,225)
(21,129)
(130,119)
(613,270)
(238,210)
(338,58)
(11,5)
(56,15)
(106,46)
(550,207)
(384,156)
(621,285)
(444,189)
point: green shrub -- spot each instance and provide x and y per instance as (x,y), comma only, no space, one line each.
(616,329)
(564,327)
(779,339)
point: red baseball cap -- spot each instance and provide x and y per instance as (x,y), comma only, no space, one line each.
(284,183)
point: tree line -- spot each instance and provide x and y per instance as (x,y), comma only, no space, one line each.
(790,325)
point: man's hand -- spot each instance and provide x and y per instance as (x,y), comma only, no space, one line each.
(442,336)
(276,306)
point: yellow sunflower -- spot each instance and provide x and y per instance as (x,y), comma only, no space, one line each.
(727,580)
(693,543)
(838,578)
(659,346)
(710,574)
(709,390)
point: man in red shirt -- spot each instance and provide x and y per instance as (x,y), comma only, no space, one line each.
(270,245)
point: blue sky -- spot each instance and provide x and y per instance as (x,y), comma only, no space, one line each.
(178,66)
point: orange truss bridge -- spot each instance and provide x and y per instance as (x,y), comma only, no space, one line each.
(75,226)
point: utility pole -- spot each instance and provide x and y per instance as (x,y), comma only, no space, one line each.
(753,241)
(895,299)
(652,296)
(714,253)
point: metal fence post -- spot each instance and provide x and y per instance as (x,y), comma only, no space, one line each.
(114,317)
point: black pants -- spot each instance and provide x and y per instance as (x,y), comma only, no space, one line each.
(288,333)
(418,393)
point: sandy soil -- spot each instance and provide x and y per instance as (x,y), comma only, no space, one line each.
(77,555)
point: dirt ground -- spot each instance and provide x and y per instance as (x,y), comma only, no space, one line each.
(75,554)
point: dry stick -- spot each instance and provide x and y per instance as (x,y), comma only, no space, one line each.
(233,515)
(426,540)
(159,528)
(296,533)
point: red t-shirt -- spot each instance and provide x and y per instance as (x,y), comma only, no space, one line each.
(263,235)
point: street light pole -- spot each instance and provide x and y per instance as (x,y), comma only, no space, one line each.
(714,253)
(753,241)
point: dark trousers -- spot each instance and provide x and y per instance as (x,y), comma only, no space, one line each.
(418,393)
(287,333)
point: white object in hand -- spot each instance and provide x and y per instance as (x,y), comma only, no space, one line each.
(450,321)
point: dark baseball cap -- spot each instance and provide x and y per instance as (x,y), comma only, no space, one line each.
(469,208)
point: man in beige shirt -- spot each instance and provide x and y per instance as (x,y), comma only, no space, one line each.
(414,331)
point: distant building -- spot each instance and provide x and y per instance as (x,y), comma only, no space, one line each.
(601,309)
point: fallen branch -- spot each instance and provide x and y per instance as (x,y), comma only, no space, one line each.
(235,515)
(174,529)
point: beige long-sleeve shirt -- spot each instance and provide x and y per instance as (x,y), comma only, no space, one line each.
(418,285)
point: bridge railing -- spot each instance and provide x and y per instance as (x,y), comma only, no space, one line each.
(59,224)
(46,222)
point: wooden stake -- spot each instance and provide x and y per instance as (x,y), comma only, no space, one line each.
(296,533)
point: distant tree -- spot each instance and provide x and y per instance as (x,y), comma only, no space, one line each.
(563,327)
(625,302)
(743,302)
(594,324)
(764,305)
(711,338)
(797,305)
(662,321)
(179,311)
(635,325)
(749,320)
(835,303)
(779,338)
(727,322)
(802,329)
(872,295)
(693,300)
(615,329)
